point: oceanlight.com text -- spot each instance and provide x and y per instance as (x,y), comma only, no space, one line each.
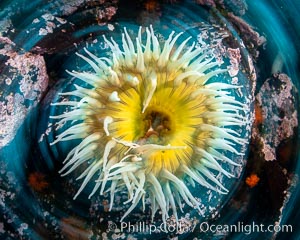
(204,227)
(240,227)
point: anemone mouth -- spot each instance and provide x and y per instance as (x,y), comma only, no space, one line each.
(150,120)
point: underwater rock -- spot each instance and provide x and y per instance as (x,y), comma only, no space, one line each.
(210,3)
(25,73)
(69,7)
(273,138)
(233,12)
(269,179)
(277,102)
(237,7)
(251,38)
(62,28)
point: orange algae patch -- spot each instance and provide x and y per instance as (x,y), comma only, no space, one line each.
(37,181)
(151,5)
(258,114)
(252,180)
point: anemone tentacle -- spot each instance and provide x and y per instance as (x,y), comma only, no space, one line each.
(150,120)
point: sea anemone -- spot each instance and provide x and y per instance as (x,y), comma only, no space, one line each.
(152,119)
